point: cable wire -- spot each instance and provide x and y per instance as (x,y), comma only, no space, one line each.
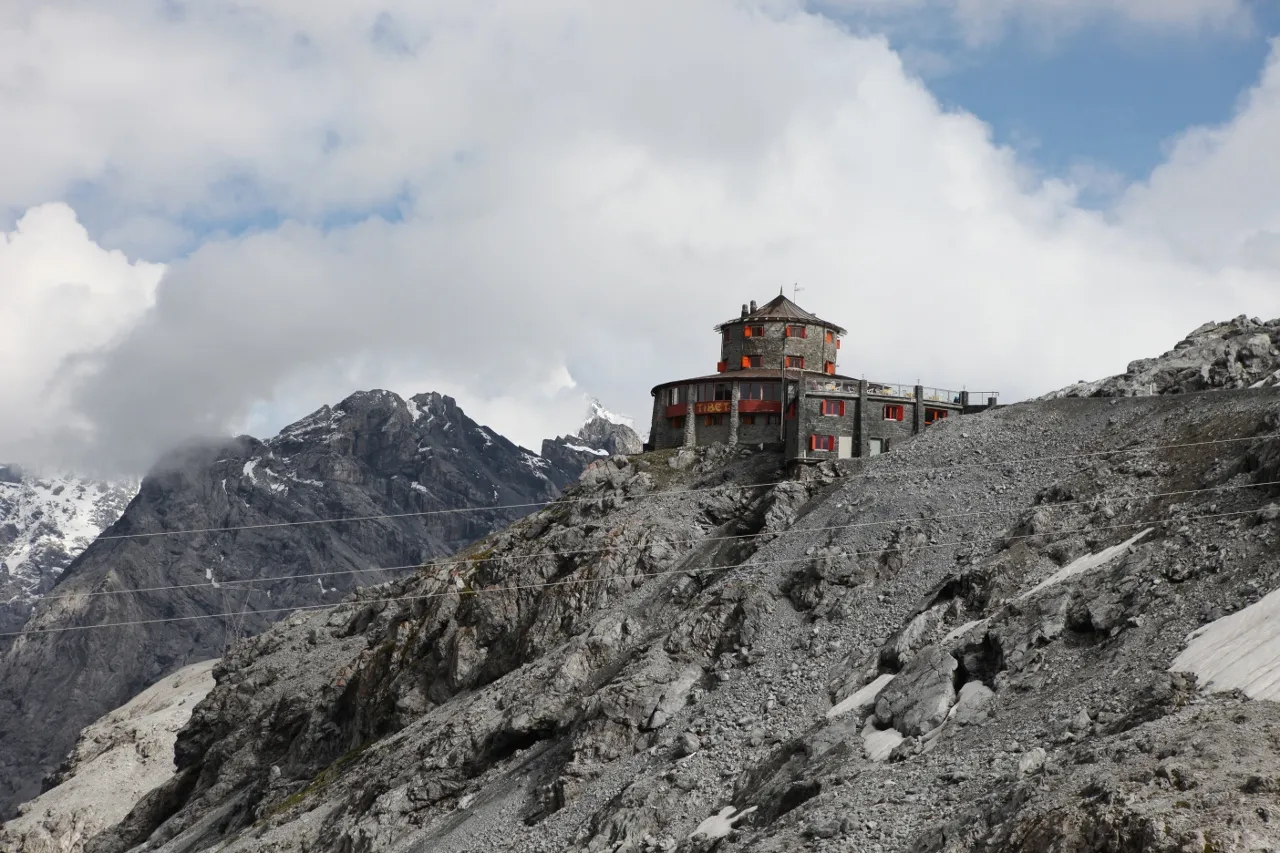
(455,561)
(570,581)
(864,474)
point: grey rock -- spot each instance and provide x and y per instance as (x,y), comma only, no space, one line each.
(918,700)
(1031,761)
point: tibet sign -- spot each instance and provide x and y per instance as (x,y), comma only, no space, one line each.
(720,407)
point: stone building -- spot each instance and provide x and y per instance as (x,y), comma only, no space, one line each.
(777,384)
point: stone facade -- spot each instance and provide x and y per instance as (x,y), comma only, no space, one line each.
(761,395)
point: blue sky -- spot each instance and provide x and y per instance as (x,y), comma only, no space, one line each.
(1105,96)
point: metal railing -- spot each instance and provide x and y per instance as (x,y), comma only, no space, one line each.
(901,392)
(882,389)
(831,386)
(940,395)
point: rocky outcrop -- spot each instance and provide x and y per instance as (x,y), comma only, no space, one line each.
(46,520)
(1241,353)
(690,652)
(117,760)
(421,479)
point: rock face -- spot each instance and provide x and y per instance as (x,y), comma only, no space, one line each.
(1241,353)
(117,760)
(45,522)
(420,461)
(649,664)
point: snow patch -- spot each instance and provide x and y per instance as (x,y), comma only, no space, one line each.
(862,698)
(581,449)
(879,742)
(1087,563)
(1240,651)
(720,825)
(247,471)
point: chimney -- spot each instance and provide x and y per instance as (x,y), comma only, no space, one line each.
(744,309)
(753,306)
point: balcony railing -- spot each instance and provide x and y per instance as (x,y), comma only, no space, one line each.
(831,386)
(899,391)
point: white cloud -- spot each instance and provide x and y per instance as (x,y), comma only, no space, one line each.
(1216,198)
(62,295)
(592,187)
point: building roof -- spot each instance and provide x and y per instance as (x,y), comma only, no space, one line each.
(754,374)
(781,308)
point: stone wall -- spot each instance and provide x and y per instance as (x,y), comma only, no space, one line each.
(814,348)
(854,423)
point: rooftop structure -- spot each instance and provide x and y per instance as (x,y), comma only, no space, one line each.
(777,384)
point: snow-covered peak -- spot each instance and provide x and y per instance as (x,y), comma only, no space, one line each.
(45,522)
(595,409)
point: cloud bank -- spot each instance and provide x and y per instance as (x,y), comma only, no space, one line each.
(517,204)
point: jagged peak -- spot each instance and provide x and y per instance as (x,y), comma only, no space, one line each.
(596,409)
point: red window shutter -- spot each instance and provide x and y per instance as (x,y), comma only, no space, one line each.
(837,343)
(804,331)
(746,361)
(842,408)
(721,366)
(788,332)
(813,442)
(746,331)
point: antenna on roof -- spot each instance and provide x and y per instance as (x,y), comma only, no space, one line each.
(795,289)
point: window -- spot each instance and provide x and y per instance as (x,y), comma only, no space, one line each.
(822,442)
(931,415)
(760,390)
(893,413)
(772,420)
(831,408)
(797,331)
(753,332)
(796,361)
(713,420)
(752,360)
(676,422)
(677,396)
(709,391)
(829,367)
(831,336)
(748,420)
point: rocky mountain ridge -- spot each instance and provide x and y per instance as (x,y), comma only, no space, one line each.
(987,640)
(425,479)
(1240,353)
(46,520)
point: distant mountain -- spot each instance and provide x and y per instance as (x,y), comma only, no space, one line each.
(602,434)
(45,522)
(443,480)
(1241,353)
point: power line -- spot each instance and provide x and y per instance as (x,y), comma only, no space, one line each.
(662,494)
(1099,500)
(570,581)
